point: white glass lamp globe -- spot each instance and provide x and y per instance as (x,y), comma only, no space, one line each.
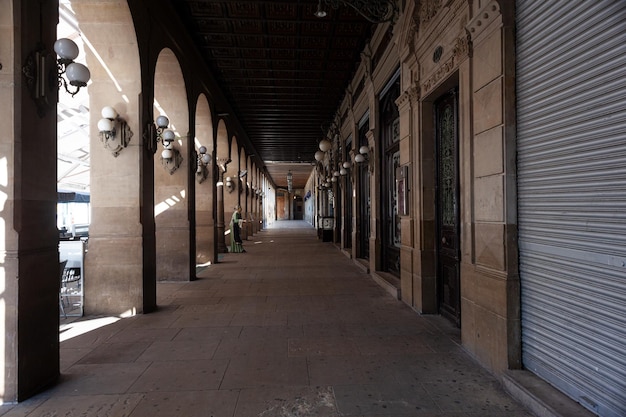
(109,112)
(105,125)
(77,74)
(319,155)
(66,49)
(162,121)
(168,136)
(324,145)
(202,149)
(167,154)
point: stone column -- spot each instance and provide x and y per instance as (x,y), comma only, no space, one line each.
(221,227)
(29,259)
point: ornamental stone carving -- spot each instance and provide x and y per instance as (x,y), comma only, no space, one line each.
(461,50)
(443,70)
(463,47)
(429,9)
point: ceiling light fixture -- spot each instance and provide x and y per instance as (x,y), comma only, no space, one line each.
(290,181)
(375,11)
(320,12)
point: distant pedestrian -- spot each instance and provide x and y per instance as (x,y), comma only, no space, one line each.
(236,244)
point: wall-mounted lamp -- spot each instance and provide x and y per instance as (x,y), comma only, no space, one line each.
(170,157)
(363,154)
(204,159)
(345,167)
(115,133)
(325,145)
(229,184)
(40,73)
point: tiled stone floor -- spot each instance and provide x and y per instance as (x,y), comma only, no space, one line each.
(290,328)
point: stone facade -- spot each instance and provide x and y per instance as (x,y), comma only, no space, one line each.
(440,45)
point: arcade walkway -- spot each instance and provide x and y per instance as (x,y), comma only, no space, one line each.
(290,328)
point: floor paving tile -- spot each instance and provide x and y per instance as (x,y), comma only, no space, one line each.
(260,371)
(365,400)
(87,405)
(115,353)
(186,404)
(187,375)
(179,351)
(97,379)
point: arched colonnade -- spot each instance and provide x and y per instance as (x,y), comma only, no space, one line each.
(151,218)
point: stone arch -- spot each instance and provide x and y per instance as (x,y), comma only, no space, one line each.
(231,194)
(171,182)
(221,161)
(205,181)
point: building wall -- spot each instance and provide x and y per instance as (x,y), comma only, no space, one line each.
(477,57)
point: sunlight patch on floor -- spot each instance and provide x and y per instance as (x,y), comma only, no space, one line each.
(77,328)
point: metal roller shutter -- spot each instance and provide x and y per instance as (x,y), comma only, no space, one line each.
(571,121)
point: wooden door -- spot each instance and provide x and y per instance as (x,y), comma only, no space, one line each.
(448,230)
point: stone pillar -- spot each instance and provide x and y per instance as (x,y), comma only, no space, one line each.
(114,264)
(408,103)
(29,259)
(221,227)
(374,238)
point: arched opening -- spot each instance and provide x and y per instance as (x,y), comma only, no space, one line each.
(222,159)
(113,266)
(170,171)
(205,181)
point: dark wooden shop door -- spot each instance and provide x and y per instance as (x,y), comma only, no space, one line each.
(448,230)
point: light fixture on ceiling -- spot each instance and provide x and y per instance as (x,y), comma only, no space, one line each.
(320,12)
(39,72)
(289,181)
(170,156)
(115,133)
(203,160)
(375,11)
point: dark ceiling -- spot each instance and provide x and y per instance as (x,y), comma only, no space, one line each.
(283,70)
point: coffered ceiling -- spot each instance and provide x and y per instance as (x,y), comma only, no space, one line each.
(283,70)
